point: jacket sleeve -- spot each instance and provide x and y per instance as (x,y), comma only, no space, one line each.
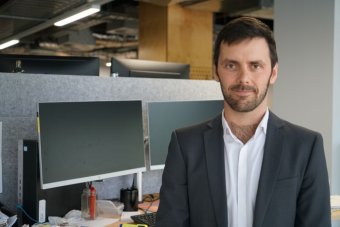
(313,204)
(173,207)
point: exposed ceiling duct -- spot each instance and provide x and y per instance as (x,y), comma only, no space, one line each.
(113,30)
(257,8)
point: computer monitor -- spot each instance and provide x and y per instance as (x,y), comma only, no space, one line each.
(165,117)
(149,69)
(242,7)
(63,65)
(89,141)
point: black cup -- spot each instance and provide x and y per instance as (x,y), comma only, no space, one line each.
(129,197)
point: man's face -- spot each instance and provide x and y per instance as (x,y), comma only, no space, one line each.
(245,73)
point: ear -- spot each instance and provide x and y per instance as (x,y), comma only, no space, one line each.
(273,77)
(215,74)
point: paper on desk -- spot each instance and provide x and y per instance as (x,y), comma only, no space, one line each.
(98,222)
(10,220)
(126,215)
(73,218)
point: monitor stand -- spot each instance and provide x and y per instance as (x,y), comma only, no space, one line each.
(139,186)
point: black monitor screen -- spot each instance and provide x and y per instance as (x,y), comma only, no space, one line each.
(35,64)
(149,69)
(165,117)
(88,141)
(239,7)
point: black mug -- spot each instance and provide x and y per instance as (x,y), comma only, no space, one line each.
(129,197)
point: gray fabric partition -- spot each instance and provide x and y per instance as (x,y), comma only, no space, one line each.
(20,93)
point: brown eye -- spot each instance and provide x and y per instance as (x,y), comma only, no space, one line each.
(256,66)
(230,66)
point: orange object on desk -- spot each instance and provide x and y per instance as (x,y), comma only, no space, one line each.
(92,202)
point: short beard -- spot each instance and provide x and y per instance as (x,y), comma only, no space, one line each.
(248,106)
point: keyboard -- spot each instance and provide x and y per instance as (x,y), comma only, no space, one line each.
(146,218)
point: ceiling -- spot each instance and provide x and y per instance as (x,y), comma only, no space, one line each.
(112,31)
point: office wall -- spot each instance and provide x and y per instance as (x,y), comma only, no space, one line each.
(305,92)
(336,102)
(20,93)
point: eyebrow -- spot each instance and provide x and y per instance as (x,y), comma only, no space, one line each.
(258,62)
(226,60)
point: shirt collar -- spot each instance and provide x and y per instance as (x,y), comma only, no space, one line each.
(262,127)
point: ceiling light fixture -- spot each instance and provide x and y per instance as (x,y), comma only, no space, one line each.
(78,16)
(8,44)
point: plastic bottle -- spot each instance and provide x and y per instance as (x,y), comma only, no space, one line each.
(85,206)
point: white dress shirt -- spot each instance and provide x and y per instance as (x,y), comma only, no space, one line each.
(242,167)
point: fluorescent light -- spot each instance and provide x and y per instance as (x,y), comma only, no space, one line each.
(8,44)
(78,16)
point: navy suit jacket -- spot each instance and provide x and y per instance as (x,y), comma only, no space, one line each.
(293,187)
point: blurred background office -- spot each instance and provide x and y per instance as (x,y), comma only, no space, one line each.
(182,31)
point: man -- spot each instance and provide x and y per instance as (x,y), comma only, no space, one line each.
(246,167)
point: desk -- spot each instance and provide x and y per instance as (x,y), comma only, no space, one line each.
(335,203)
(116,224)
(336,218)
(336,215)
(150,206)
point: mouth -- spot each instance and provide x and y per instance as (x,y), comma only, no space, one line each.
(243,90)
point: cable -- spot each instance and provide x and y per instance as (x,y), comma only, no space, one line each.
(147,209)
(23,210)
(149,198)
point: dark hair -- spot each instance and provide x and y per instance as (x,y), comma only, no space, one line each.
(243,28)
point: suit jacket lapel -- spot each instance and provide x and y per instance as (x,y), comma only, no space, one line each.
(270,167)
(214,150)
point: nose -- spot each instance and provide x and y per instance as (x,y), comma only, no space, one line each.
(244,75)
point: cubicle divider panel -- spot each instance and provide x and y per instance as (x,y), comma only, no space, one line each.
(20,94)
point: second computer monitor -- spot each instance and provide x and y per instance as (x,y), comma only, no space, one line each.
(57,65)
(149,69)
(165,117)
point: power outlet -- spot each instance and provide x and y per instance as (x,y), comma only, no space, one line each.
(42,211)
